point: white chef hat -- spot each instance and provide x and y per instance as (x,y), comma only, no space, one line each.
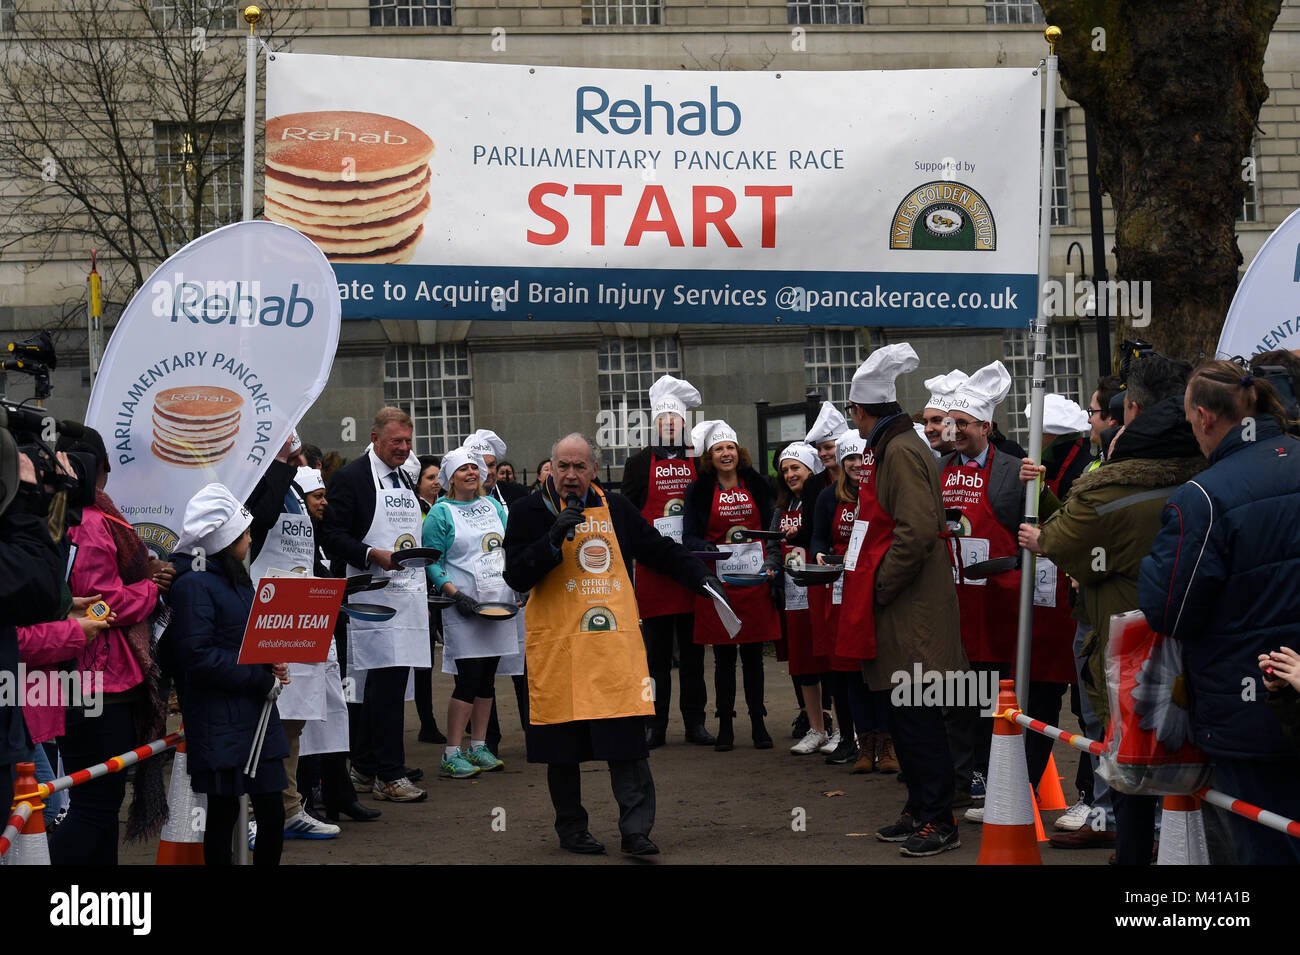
(983,392)
(453,461)
(943,387)
(1061,415)
(829,424)
(708,433)
(850,442)
(213,521)
(805,454)
(874,381)
(411,466)
(308,480)
(671,395)
(484,441)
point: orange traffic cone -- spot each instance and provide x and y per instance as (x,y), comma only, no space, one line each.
(31,847)
(1182,832)
(1039,834)
(1050,795)
(1008,837)
(187,811)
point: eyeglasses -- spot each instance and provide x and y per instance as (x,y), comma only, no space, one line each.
(1093,411)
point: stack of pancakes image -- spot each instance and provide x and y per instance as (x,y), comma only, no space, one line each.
(195,426)
(356,184)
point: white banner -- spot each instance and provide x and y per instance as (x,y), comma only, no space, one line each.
(213,362)
(491,191)
(1263,313)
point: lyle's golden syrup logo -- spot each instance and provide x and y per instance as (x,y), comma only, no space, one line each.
(796,559)
(945,216)
(598,618)
(736,535)
(491,542)
(674,507)
(160,540)
(405,542)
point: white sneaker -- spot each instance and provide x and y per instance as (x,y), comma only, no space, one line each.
(1074,818)
(831,744)
(303,826)
(811,743)
(975,814)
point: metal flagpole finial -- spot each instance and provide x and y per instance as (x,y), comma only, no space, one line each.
(254,13)
(1051,35)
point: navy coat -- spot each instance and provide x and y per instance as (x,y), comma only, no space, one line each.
(1221,577)
(221,700)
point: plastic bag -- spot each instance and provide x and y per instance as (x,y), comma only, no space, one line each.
(1149,750)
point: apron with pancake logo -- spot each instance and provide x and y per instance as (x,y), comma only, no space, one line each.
(402,641)
(873,532)
(475,563)
(798,618)
(1051,656)
(826,624)
(735,510)
(657,595)
(586,660)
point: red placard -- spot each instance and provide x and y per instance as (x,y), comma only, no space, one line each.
(292,620)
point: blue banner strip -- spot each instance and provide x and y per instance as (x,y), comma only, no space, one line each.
(714,296)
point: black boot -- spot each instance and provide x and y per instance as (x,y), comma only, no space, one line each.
(698,733)
(726,738)
(429,732)
(759,731)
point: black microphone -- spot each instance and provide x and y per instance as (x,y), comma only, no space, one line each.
(570,501)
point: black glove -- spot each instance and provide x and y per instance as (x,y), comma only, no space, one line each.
(566,521)
(708,548)
(711,581)
(466,605)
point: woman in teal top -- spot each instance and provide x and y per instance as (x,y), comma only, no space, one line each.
(468,528)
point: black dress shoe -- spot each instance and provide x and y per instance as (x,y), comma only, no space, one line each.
(639,845)
(431,734)
(655,736)
(414,775)
(846,752)
(355,812)
(700,736)
(583,845)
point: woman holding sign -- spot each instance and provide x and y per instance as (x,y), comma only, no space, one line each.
(468,528)
(728,499)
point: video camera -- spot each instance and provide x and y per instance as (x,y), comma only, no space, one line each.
(1130,350)
(33,432)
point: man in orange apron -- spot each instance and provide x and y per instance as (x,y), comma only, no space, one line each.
(589,688)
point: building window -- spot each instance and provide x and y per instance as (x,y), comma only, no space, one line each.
(410,13)
(1013,11)
(609,13)
(432,384)
(1250,201)
(1060,167)
(206,164)
(823,11)
(830,357)
(1064,373)
(188,14)
(625,370)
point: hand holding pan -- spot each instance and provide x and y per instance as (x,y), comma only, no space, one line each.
(985,569)
(359,583)
(416,557)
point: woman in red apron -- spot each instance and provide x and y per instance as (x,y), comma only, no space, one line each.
(727,498)
(798,463)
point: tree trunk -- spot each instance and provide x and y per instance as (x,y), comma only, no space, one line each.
(1175,96)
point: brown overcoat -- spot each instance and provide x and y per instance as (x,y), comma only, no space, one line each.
(917,620)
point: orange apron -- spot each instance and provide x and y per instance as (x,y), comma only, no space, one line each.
(586,660)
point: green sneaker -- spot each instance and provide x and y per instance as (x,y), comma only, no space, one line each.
(458,766)
(482,757)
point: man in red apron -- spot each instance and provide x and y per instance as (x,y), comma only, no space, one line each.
(655,479)
(589,689)
(899,609)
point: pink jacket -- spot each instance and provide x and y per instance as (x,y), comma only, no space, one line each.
(94,571)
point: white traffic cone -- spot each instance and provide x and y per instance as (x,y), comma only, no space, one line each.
(1182,832)
(187,813)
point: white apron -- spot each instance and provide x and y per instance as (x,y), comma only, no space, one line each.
(475,564)
(290,548)
(402,641)
(329,734)
(513,665)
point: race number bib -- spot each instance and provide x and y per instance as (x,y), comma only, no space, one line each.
(837,590)
(796,597)
(670,527)
(741,559)
(1044,583)
(855,545)
(972,551)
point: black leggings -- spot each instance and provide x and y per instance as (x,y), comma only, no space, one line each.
(724,677)
(475,679)
(223,812)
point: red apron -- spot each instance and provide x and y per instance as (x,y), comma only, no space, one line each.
(1051,658)
(798,616)
(831,596)
(735,509)
(989,607)
(873,532)
(657,595)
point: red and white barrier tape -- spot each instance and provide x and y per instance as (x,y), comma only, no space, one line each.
(114,765)
(22,812)
(1081,743)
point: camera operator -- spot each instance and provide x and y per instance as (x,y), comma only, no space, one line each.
(31,587)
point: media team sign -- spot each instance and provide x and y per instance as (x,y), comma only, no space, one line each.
(482,191)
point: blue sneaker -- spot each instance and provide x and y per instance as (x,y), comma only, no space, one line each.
(252,835)
(977,786)
(303,826)
(482,757)
(458,766)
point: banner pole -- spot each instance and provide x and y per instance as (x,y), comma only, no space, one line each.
(251,15)
(1027,568)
